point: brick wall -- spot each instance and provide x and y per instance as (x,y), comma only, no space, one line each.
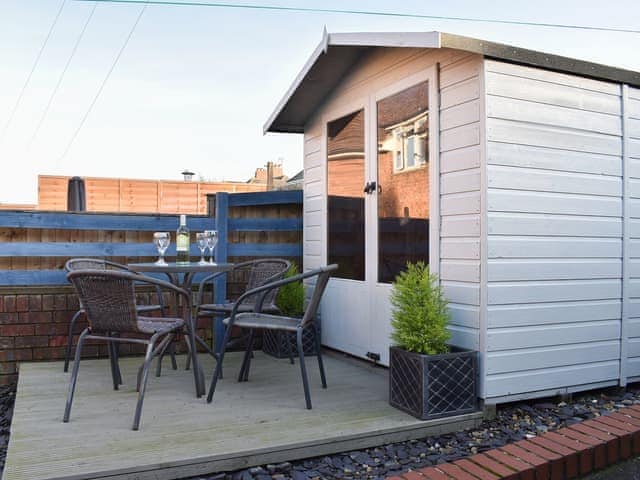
(34,324)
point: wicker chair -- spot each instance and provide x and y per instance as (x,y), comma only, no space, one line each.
(101,264)
(108,298)
(256,273)
(256,320)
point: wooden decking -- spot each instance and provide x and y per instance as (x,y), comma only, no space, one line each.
(251,423)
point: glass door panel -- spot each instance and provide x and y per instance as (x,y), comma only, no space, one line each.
(403,180)
(345,206)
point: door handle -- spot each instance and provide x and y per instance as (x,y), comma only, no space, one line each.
(370,187)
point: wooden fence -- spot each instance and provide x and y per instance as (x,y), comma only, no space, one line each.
(35,245)
(137,196)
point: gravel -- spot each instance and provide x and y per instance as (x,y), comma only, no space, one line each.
(7,398)
(513,422)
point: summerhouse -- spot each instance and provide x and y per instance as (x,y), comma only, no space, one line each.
(514,173)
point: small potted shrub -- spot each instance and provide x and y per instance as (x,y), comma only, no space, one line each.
(290,301)
(428,378)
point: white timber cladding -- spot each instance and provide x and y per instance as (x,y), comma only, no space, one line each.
(632,157)
(555,232)
(459,262)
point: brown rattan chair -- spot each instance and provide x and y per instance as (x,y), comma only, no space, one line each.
(257,320)
(101,264)
(252,273)
(108,299)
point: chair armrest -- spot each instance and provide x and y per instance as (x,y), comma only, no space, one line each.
(204,281)
(277,284)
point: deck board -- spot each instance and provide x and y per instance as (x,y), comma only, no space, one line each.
(263,420)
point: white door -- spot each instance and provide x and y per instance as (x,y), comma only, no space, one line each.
(380,159)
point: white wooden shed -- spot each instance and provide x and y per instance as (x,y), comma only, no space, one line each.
(515,173)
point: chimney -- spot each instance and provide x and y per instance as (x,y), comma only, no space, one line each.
(188,175)
(269,176)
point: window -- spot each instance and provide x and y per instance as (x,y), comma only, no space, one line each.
(403,179)
(345,209)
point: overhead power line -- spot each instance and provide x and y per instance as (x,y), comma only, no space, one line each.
(62,74)
(370,13)
(104,82)
(33,69)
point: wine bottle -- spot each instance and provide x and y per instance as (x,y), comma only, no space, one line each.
(182,241)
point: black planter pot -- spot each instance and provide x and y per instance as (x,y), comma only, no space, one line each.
(274,343)
(433,386)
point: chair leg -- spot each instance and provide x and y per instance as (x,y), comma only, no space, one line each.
(74,376)
(218,370)
(287,342)
(143,385)
(303,369)
(167,345)
(72,324)
(172,352)
(250,348)
(112,363)
(316,334)
(243,376)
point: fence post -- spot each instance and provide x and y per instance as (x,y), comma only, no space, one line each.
(220,290)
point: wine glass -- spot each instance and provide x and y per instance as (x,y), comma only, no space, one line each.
(212,240)
(201,240)
(161,240)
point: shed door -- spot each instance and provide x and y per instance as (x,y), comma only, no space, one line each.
(373,232)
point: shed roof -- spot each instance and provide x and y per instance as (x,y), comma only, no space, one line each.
(337,52)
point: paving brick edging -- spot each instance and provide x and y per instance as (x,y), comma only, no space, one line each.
(565,453)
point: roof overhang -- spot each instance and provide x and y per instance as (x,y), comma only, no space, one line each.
(338,52)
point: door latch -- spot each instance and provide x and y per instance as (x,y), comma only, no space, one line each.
(373,356)
(370,187)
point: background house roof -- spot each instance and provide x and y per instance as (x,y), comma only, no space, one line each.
(338,52)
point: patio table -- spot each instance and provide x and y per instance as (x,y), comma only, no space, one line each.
(181,275)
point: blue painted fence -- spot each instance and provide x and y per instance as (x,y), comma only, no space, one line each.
(147,223)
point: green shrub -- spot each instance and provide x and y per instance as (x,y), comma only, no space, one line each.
(290,299)
(420,313)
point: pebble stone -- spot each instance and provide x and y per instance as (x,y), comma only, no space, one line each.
(513,422)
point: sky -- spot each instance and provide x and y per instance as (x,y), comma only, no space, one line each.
(195,84)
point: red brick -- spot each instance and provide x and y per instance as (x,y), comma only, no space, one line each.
(8,379)
(455,472)
(1,303)
(635,422)
(571,466)
(412,476)
(35,303)
(622,416)
(599,446)
(432,473)
(8,368)
(6,342)
(49,353)
(612,441)
(10,303)
(8,318)
(556,462)
(474,469)
(543,469)
(37,317)
(60,301)
(25,342)
(611,426)
(15,355)
(526,471)
(16,330)
(64,316)
(501,470)
(584,451)
(72,302)
(47,303)
(51,329)
(22,303)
